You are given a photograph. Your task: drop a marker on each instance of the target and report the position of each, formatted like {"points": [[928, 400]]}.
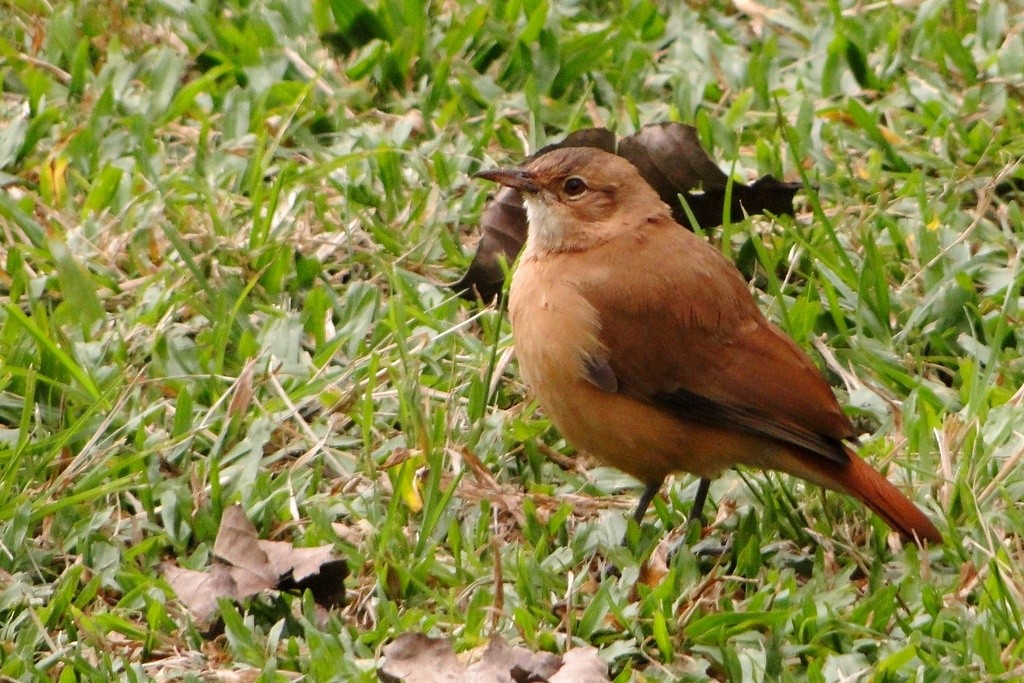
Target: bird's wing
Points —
{"points": [[683, 332]]}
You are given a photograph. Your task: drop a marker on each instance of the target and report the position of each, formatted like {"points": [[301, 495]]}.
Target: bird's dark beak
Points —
{"points": [[517, 179]]}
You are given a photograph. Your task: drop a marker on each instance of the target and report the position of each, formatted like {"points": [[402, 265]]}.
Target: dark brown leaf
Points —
{"points": [[668, 156], [314, 568], [245, 565], [504, 226]]}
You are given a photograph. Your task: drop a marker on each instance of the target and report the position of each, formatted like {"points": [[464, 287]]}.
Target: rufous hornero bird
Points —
{"points": [[645, 347]]}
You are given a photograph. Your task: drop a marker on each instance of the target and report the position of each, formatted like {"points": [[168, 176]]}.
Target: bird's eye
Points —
{"points": [[574, 186]]}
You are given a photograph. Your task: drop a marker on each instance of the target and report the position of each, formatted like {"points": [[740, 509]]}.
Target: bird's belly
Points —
{"points": [[642, 440], [555, 331]]}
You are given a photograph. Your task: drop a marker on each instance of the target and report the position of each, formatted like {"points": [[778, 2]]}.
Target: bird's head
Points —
{"points": [[579, 197]]}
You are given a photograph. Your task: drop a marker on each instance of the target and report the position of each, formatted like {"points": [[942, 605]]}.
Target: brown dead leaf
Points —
{"points": [[581, 665], [245, 565], [416, 658], [199, 591], [503, 662], [314, 568], [504, 233], [669, 157], [284, 558], [237, 544]]}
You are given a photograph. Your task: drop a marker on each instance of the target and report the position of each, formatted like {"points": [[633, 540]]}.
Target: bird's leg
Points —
{"points": [[697, 511], [641, 507], [699, 500], [652, 490], [696, 515], [645, 501], [646, 497]]}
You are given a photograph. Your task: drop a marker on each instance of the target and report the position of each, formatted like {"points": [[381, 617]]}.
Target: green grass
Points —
{"points": [[226, 229]]}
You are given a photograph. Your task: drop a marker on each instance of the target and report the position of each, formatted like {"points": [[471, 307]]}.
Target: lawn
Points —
{"points": [[227, 231]]}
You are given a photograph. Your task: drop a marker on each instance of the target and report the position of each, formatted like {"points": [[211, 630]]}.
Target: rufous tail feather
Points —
{"points": [[860, 480]]}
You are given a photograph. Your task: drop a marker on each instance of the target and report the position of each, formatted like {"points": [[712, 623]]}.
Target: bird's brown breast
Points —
{"points": [[556, 330]]}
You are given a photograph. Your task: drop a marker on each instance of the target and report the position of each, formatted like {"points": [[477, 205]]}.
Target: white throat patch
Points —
{"points": [[545, 226]]}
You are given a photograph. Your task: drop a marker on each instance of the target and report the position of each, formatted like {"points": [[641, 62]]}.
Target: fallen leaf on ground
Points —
{"points": [[416, 658], [245, 565], [669, 157], [581, 665], [199, 591]]}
